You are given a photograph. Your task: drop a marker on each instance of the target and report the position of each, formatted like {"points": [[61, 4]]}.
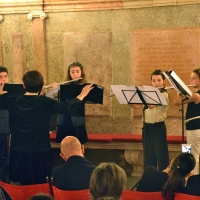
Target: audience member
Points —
{"points": [[4, 132], [170, 180], [107, 182], [75, 173], [42, 196], [193, 185], [30, 158], [182, 167]]}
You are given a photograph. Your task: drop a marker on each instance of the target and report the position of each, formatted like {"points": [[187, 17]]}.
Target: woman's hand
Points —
{"points": [[1, 89], [53, 85], [85, 92]]}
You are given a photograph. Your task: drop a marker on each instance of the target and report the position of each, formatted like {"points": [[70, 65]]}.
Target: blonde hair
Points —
{"points": [[108, 181]]}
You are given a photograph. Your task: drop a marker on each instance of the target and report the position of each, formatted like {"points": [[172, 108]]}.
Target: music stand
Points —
{"points": [[14, 88], [146, 95], [69, 92], [180, 87]]}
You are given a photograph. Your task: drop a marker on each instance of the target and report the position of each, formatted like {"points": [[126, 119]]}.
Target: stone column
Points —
{"points": [[39, 44], [135, 158], [1, 55]]}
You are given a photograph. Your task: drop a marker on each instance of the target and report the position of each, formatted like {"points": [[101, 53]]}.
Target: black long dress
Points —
{"points": [[30, 159], [72, 125]]}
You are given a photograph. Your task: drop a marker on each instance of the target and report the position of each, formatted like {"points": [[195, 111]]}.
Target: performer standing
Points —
{"points": [[193, 117], [154, 131], [73, 125], [4, 132], [30, 159]]}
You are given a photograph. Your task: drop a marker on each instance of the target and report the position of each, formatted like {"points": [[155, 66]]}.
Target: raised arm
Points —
{"points": [[194, 98], [1, 89], [84, 92]]}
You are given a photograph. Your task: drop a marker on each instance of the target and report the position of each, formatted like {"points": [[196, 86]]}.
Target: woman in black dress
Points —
{"points": [[73, 125], [30, 159]]}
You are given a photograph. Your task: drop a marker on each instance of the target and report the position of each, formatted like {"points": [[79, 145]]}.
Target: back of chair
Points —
{"points": [[70, 195], [26, 191], [181, 196], [134, 195]]}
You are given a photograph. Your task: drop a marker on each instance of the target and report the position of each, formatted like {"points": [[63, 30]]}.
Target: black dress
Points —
{"points": [[72, 125], [30, 159]]}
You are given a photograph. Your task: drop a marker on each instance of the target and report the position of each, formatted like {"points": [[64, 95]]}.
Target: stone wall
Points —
{"points": [[109, 45]]}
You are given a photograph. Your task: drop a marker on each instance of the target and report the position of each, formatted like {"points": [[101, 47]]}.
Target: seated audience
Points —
{"points": [[193, 185], [107, 182], [4, 194], [75, 173], [170, 180], [42, 196]]}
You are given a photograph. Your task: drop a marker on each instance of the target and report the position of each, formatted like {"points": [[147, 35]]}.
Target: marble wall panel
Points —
{"points": [[18, 57], [16, 25], [1, 55], [93, 51]]}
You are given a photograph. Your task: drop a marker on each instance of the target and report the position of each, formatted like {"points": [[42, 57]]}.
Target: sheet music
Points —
{"points": [[178, 84], [183, 85], [129, 95]]}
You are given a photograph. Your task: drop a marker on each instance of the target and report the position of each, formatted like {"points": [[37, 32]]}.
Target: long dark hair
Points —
{"points": [[182, 165], [197, 71]]}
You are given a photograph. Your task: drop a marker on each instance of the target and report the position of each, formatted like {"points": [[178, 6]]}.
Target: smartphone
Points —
{"points": [[187, 148]]}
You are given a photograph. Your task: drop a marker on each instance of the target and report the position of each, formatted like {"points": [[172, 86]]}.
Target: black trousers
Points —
{"points": [[4, 170], [155, 145]]}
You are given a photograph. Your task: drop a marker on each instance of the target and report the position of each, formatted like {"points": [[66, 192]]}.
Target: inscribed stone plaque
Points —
{"points": [[176, 49], [93, 51]]}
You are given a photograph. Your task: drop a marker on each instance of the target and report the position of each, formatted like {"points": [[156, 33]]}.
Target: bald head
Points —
{"points": [[70, 146]]}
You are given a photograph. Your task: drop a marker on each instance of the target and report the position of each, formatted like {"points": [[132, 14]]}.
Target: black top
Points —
{"points": [[30, 151], [193, 185], [74, 174], [30, 119], [193, 110], [152, 180]]}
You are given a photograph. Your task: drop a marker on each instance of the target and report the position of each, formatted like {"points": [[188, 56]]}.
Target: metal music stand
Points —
{"points": [[146, 95], [14, 88]]}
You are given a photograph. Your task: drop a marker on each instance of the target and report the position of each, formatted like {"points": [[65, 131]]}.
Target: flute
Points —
{"points": [[172, 87], [48, 86]]}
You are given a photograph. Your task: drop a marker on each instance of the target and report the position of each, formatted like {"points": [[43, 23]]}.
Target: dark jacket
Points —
{"points": [[193, 185], [74, 174], [152, 180]]}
